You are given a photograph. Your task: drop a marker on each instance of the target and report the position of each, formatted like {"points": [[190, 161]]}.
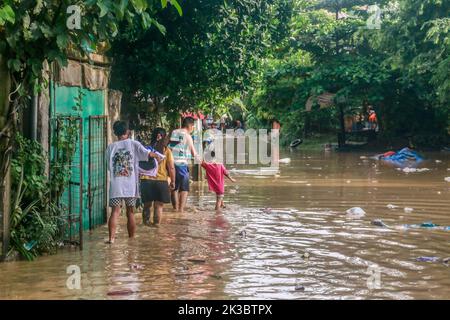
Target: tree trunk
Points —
{"points": [[5, 135], [341, 136]]}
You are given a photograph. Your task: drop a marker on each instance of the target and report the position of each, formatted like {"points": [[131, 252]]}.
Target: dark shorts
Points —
{"points": [[182, 178], [155, 190]]}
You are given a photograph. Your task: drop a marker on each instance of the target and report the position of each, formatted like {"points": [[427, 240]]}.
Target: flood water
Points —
{"points": [[252, 252]]}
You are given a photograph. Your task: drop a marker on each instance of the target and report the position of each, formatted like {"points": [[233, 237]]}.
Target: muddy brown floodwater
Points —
{"points": [[252, 252]]}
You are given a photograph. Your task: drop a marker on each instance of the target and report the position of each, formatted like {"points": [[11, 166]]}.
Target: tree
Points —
{"points": [[418, 44], [207, 57], [332, 59]]}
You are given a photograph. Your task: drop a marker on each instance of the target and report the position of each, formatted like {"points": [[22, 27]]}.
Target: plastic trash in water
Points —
{"points": [[136, 266], [447, 179], [356, 211], [285, 160], [379, 223], [428, 224], [427, 259], [414, 170], [299, 286], [391, 206], [408, 210]]}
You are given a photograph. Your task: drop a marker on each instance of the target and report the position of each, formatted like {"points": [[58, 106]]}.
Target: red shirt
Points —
{"points": [[215, 173]]}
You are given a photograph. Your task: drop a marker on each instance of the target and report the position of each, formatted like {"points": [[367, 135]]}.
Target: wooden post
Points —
{"points": [[5, 176], [341, 136], [5, 209], [197, 169]]}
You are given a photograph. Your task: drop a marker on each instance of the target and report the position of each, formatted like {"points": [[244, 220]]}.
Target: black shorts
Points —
{"points": [[182, 178], [155, 190]]}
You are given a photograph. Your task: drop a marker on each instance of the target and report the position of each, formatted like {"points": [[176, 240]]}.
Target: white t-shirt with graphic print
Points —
{"points": [[123, 164]]}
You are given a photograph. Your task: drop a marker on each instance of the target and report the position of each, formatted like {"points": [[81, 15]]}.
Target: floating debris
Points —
{"points": [[391, 206], [447, 179], [196, 260], [379, 223], [413, 170], [285, 160], [408, 210], [305, 255], [120, 293], [427, 259], [135, 266], [299, 286], [356, 212], [428, 224]]}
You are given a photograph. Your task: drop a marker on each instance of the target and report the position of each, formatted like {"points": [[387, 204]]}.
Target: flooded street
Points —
{"points": [[277, 234]]}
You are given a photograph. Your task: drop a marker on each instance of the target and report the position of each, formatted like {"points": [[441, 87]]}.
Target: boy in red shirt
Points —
{"points": [[215, 173]]}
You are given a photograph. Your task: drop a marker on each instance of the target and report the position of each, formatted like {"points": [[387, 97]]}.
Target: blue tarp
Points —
{"points": [[404, 158]]}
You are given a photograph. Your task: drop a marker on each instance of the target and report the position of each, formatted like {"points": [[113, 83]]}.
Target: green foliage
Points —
{"points": [[403, 69], [208, 56], [34, 220], [34, 31]]}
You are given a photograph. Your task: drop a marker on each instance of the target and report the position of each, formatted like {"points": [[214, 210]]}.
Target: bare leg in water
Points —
{"points": [[158, 211], [183, 195], [112, 223], [219, 202], [146, 213], [131, 223], [174, 199]]}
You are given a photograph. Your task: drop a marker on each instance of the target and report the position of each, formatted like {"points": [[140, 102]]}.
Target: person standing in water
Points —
{"points": [[155, 189], [215, 173], [123, 158], [183, 149]]}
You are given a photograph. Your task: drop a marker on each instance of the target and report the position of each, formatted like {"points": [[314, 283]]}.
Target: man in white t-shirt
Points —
{"points": [[183, 150], [123, 158]]}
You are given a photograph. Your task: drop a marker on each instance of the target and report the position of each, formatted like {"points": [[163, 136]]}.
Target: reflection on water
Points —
{"points": [[278, 232]]}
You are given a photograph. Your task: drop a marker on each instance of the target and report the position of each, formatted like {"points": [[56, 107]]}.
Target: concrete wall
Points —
{"points": [[114, 103]]}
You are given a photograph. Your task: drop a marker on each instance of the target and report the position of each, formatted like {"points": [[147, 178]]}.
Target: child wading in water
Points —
{"points": [[123, 164], [215, 173]]}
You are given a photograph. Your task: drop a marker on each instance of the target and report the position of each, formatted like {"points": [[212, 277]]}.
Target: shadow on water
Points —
{"points": [[282, 236]]}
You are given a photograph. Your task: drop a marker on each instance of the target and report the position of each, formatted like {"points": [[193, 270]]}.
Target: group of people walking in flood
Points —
{"points": [[157, 174]]}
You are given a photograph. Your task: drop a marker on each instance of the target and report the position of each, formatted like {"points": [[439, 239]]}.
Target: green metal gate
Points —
{"points": [[72, 198], [90, 197], [97, 196]]}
